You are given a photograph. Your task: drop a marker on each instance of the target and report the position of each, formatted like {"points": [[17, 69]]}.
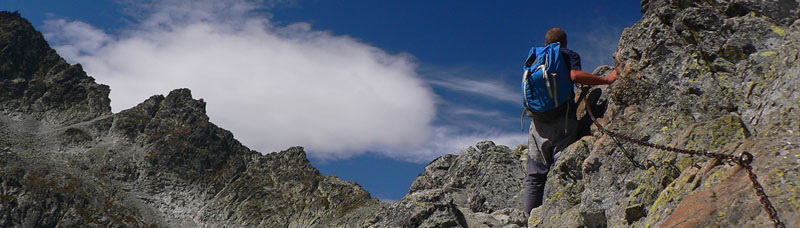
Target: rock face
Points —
{"points": [[38, 82], [712, 75], [479, 188], [66, 160]]}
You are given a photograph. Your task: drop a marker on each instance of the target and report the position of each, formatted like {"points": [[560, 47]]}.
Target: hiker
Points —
{"points": [[549, 101]]}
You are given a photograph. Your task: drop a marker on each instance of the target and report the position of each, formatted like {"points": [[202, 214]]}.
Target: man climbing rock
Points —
{"points": [[549, 101]]}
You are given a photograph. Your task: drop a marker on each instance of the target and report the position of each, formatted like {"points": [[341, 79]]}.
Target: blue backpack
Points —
{"points": [[546, 82]]}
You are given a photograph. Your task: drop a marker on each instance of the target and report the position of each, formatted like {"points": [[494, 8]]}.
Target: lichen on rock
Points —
{"points": [[718, 76], [692, 77]]}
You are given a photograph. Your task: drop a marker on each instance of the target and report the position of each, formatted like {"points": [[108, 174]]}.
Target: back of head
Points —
{"points": [[556, 35]]}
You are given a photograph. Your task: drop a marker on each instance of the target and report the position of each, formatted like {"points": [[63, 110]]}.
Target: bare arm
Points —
{"points": [[586, 78]]}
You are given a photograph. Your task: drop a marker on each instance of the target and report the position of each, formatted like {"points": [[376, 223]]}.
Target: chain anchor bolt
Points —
{"points": [[745, 158]]}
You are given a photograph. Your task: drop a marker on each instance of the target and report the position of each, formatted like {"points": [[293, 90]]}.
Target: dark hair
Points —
{"points": [[556, 35]]}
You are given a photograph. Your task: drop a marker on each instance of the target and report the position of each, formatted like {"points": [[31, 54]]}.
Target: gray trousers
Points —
{"points": [[549, 135]]}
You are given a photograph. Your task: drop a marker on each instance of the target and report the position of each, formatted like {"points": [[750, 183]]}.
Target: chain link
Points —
{"points": [[743, 160], [773, 214]]}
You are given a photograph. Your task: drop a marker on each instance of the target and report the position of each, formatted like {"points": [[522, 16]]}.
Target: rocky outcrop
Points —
{"points": [[35, 81], [478, 188], [67, 161], [707, 75], [485, 179]]}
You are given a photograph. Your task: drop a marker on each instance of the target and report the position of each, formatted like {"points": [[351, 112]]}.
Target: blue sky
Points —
{"points": [[373, 89]]}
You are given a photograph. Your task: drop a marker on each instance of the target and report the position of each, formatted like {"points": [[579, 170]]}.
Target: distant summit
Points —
{"points": [[38, 82], [67, 161]]}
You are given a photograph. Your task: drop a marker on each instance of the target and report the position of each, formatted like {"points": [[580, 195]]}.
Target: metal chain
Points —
{"points": [[744, 160], [773, 214]]}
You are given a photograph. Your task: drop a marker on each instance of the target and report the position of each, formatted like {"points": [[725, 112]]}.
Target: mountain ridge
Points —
{"points": [[141, 161], [162, 163], [705, 75]]}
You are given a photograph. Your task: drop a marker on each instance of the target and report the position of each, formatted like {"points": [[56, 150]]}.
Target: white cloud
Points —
{"points": [[488, 89], [477, 113], [81, 36], [281, 86], [273, 86], [470, 80]]}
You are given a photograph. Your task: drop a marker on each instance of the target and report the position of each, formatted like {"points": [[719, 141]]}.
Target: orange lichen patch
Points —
{"points": [[710, 206]]}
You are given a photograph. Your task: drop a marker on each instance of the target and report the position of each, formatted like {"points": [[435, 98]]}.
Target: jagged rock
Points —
{"points": [[506, 218], [483, 180], [37, 82], [702, 75], [595, 98], [478, 188], [162, 163], [68, 161]]}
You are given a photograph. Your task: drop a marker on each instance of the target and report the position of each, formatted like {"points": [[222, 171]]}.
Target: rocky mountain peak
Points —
{"points": [[158, 115], [25, 52], [717, 76], [35, 80], [68, 161]]}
